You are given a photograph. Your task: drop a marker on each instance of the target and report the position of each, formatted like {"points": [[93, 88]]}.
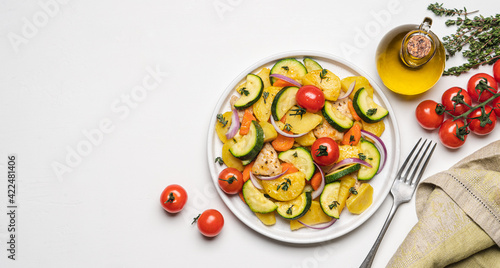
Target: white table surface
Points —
{"points": [[67, 69]]}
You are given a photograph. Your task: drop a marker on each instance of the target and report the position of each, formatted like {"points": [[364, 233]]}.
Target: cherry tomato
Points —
{"points": [[453, 134], [430, 114], [210, 222], [231, 180], [485, 115], [451, 97], [173, 198], [311, 98], [481, 87], [325, 151], [496, 71], [496, 105]]}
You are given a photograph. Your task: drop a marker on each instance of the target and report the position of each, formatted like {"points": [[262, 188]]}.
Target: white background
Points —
{"points": [[64, 70]]}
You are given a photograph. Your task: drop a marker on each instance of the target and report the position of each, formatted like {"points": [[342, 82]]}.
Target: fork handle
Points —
{"points": [[367, 263]]}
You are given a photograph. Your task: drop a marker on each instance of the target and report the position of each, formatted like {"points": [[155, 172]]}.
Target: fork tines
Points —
{"points": [[414, 166]]}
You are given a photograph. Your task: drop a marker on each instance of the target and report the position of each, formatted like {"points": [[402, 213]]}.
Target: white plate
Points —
{"points": [[347, 222]]}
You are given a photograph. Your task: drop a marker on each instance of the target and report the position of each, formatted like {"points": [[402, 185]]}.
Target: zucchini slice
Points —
{"points": [[372, 155], [339, 173], [301, 158], [311, 65], [335, 118], [329, 199], [250, 93], [256, 200], [366, 108], [295, 208], [248, 146], [289, 67], [283, 101]]}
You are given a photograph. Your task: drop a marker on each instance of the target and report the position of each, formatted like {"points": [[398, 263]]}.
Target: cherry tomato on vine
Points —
{"points": [[453, 134], [430, 114], [230, 180], [210, 222], [482, 120], [173, 198], [311, 98], [325, 151], [453, 100], [496, 71], [481, 87]]}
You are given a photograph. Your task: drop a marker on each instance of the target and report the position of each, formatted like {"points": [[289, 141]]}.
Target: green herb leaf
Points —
{"points": [[334, 204], [322, 150], [289, 210], [298, 111], [265, 95], [244, 91], [371, 111], [352, 190], [222, 120], [219, 160]]}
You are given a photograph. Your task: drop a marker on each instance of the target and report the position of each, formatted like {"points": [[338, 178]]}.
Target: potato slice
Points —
{"points": [[286, 187], [262, 108], [325, 80], [270, 133], [357, 203], [314, 216], [302, 123], [267, 219], [264, 75], [375, 128], [360, 82], [306, 140], [221, 129], [348, 151], [346, 183]]}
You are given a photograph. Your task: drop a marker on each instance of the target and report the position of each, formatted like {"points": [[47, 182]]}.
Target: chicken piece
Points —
{"points": [[326, 130], [267, 162], [343, 107]]}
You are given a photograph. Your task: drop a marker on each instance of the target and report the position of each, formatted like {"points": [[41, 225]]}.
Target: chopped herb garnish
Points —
{"points": [[265, 95], [362, 156], [284, 185], [288, 127], [298, 111], [352, 190], [295, 154], [219, 160], [289, 210], [285, 68], [334, 204], [371, 111], [222, 120], [352, 139], [230, 180], [322, 150], [267, 196], [244, 91], [322, 75]]}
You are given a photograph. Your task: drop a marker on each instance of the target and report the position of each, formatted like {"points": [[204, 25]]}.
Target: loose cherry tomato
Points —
{"points": [[496, 71], [231, 180], [311, 98], [173, 198], [481, 87], [482, 120], [496, 105], [430, 114], [453, 134], [210, 222], [453, 100], [325, 151]]}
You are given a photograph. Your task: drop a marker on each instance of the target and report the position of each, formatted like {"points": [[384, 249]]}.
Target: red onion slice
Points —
{"points": [[380, 145], [318, 191], [319, 226], [235, 125], [283, 132], [286, 79], [255, 181], [349, 91], [265, 178], [348, 161]]}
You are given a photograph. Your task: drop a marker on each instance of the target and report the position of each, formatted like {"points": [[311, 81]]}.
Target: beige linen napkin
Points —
{"points": [[458, 216]]}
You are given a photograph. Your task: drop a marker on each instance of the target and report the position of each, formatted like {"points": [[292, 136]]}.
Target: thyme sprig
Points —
{"points": [[480, 36]]}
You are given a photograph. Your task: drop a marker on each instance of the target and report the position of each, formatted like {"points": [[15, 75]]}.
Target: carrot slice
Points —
{"points": [[291, 168], [353, 112], [316, 181], [246, 122], [352, 136], [282, 143], [247, 170], [282, 83]]}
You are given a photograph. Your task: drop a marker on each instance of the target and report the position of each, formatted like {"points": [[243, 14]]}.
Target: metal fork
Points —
{"points": [[403, 188]]}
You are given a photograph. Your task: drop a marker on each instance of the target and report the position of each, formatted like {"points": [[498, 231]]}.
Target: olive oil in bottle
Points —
{"points": [[410, 59]]}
